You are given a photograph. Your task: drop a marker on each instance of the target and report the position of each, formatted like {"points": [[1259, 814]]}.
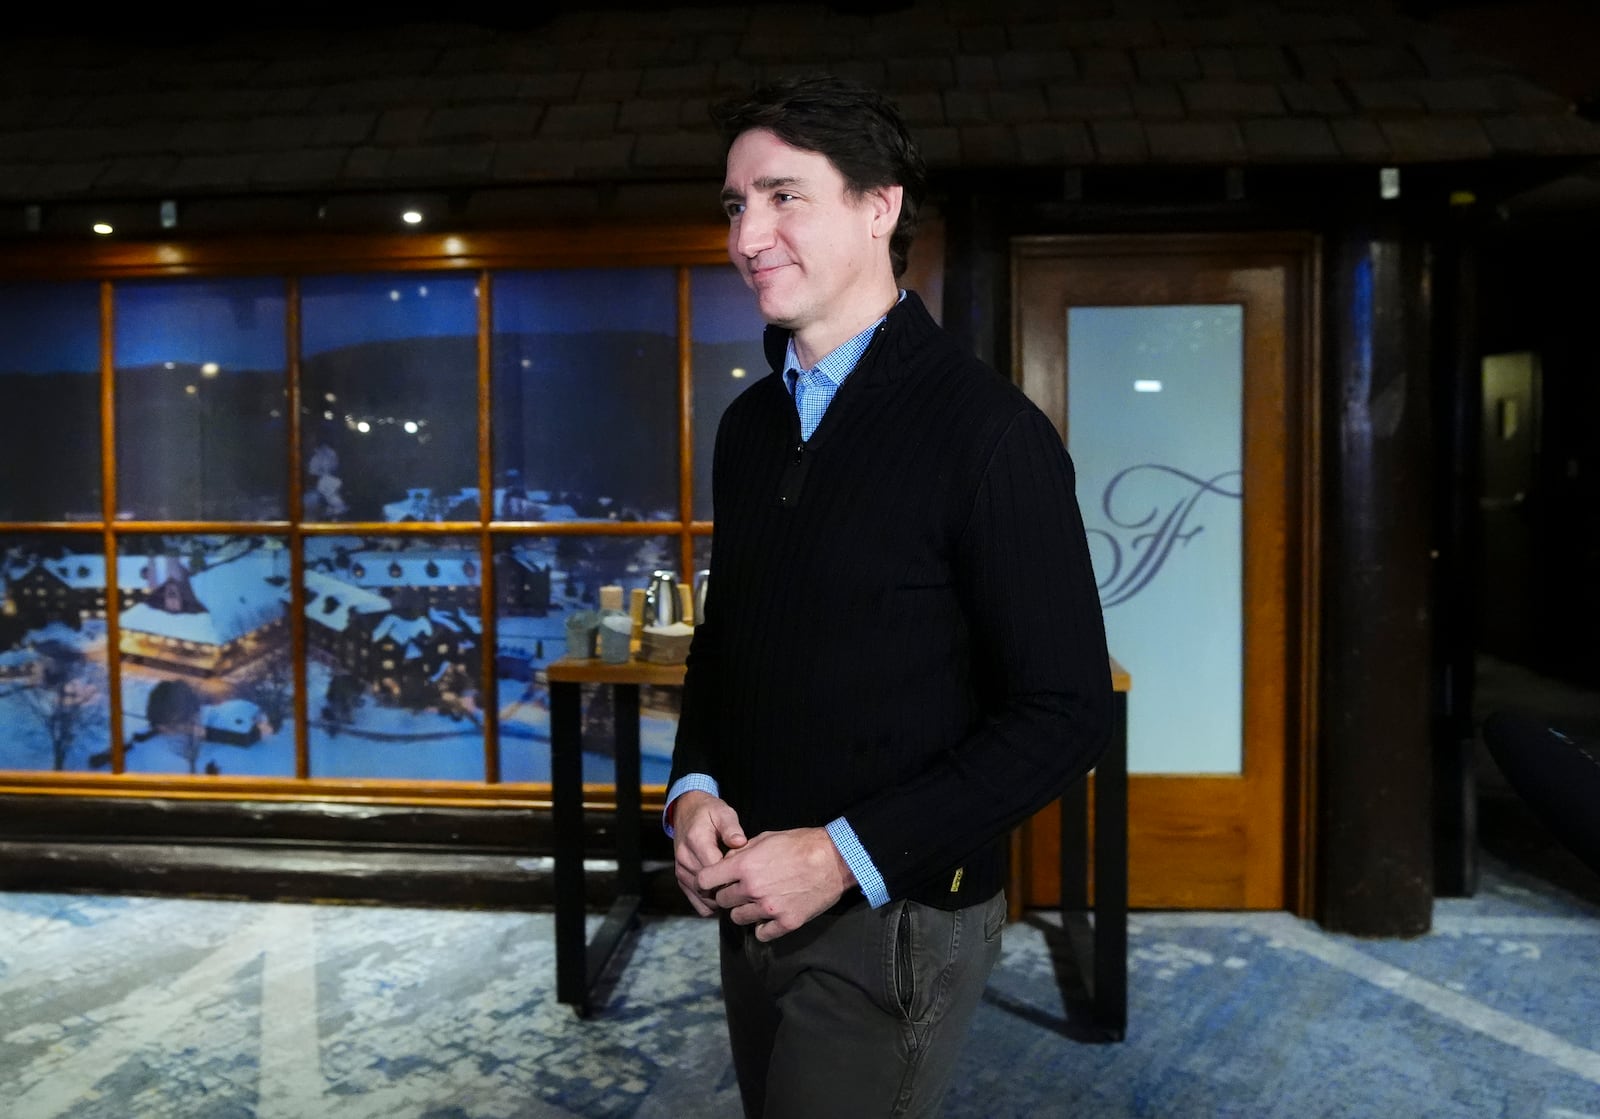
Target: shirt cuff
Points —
{"points": [[855, 857], [687, 783]]}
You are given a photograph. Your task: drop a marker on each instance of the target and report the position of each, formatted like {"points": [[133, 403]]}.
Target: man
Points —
{"points": [[902, 655]]}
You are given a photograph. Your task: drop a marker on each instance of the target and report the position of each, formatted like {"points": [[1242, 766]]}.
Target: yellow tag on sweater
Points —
{"points": [[955, 883]]}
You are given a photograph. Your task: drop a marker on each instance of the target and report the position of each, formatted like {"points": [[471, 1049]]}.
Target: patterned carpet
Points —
{"points": [[112, 1008]]}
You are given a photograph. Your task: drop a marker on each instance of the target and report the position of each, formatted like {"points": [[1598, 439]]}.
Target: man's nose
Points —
{"points": [[755, 232]]}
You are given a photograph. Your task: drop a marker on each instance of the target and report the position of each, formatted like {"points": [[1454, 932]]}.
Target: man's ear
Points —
{"points": [[885, 202]]}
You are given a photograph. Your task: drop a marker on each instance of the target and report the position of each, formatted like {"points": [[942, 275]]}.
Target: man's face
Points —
{"points": [[811, 252]]}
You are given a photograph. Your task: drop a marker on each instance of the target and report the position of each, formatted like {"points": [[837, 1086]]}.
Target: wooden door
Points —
{"points": [[1229, 833]]}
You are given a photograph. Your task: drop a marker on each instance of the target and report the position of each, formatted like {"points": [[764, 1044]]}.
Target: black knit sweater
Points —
{"points": [[902, 627]]}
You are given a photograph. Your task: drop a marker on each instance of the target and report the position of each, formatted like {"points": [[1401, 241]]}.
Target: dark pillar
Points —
{"points": [[977, 278], [1457, 404], [1375, 796]]}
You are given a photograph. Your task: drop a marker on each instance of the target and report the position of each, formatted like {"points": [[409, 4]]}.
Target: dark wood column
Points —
{"points": [[977, 281], [1457, 407], [1376, 790]]}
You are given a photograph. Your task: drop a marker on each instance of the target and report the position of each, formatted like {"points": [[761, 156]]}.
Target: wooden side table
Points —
{"points": [[581, 961]]}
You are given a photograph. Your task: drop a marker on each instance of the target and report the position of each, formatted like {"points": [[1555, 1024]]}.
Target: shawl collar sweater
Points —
{"points": [[904, 628]]}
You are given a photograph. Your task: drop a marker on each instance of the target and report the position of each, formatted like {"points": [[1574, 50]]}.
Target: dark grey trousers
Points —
{"points": [[858, 1013]]}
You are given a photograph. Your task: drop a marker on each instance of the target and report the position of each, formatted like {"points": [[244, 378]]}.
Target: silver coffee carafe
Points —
{"points": [[661, 605]]}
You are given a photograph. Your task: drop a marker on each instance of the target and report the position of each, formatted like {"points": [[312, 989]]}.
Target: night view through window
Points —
{"points": [[201, 406], [585, 429], [49, 379]]}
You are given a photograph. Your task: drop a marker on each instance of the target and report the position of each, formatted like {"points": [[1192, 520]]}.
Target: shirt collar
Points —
{"points": [[839, 364]]}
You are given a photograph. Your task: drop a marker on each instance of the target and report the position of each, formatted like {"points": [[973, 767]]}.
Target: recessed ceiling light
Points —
{"points": [[102, 227], [411, 217]]}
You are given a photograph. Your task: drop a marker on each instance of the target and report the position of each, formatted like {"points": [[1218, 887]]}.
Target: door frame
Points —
{"points": [[1297, 256]]}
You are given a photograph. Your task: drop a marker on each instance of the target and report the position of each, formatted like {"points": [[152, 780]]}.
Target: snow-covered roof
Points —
{"points": [[414, 632], [56, 632], [237, 600], [237, 594], [458, 620], [237, 715], [413, 506], [330, 601], [420, 504], [145, 618], [434, 567], [530, 560], [403, 629], [87, 571], [18, 658]]}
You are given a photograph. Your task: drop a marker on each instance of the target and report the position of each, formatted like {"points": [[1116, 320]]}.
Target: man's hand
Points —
{"points": [[778, 881], [703, 827]]}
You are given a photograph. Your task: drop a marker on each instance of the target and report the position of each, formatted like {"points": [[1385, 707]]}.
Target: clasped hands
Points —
{"points": [[777, 880]]}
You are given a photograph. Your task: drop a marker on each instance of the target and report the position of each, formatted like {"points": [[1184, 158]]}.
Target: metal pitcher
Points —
{"points": [[661, 606]]}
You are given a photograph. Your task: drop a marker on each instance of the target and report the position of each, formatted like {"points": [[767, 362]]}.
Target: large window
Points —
{"points": [[316, 524]]}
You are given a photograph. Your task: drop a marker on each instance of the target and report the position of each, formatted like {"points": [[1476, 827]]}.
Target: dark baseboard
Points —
{"points": [[464, 857]]}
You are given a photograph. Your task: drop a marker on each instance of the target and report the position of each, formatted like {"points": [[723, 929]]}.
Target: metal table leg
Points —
{"points": [[566, 794], [579, 961], [1111, 879], [1100, 950]]}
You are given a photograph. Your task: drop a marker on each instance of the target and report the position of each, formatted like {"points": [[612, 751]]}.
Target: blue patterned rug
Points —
{"points": [[144, 1008]]}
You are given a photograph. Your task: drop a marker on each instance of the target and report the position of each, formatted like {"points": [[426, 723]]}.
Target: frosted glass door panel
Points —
{"points": [[1154, 406]]}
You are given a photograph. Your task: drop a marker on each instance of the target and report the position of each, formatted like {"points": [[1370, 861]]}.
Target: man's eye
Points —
{"points": [[781, 197], [733, 209]]}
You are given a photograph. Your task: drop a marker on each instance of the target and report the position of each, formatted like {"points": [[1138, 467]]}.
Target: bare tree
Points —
{"points": [[271, 687], [67, 697]]}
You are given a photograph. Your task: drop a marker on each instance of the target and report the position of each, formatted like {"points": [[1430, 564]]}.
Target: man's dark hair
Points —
{"points": [[855, 126]]}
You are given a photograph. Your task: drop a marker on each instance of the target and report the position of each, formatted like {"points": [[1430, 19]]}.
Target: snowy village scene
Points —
{"points": [[392, 671], [583, 377]]}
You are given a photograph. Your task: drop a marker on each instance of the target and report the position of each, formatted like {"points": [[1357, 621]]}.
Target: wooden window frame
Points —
{"points": [[681, 246]]}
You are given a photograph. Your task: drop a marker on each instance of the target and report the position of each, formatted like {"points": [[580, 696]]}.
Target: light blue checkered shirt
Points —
{"points": [[816, 388], [813, 389]]}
